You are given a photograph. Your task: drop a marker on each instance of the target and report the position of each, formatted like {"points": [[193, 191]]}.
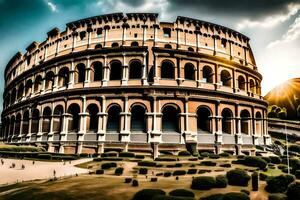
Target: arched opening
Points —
{"points": [[134, 44], [74, 122], [25, 122], [135, 70], [225, 78], [115, 70], [49, 80], [80, 73], [241, 83], [57, 118], [203, 120], [151, 75], [12, 125], [63, 77], [170, 119], [191, 49], [20, 91], [37, 84], [227, 121], [138, 120], [98, 46], [97, 71], [258, 88], [189, 71], [13, 96], [18, 123], [168, 46], [258, 123], [245, 119], [92, 120], [115, 44], [113, 121], [46, 120], [35, 116], [252, 86], [208, 74], [167, 70], [28, 87]]}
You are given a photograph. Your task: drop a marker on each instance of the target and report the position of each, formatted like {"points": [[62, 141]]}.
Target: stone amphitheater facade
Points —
{"points": [[128, 82]]}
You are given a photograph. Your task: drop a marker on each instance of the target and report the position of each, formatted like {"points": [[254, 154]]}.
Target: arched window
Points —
{"points": [[80, 73], [113, 121], [115, 44], [167, 70], [115, 70], [225, 78], [258, 123], [227, 121], [191, 49], [98, 46], [46, 120], [13, 96], [35, 121], [20, 91], [17, 125], [168, 46], [74, 122], [25, 122], [134, 44], [208, 74], [49, 80], [170, 119], [258, 88], [245, 119], [37, 84], [63, 77], [189, 71], [57, 118], [92, 121], [135, 70], [97, 69], [151, 75], [138, 122], [241, 83], [252, 86], [12, 125], [28, 87], [203, 120]]}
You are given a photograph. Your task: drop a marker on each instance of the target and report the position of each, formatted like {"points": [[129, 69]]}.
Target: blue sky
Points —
{"points": [[272, 25]]}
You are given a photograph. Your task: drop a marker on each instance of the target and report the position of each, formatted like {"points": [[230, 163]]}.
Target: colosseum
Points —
{"points": [[128, 82]]}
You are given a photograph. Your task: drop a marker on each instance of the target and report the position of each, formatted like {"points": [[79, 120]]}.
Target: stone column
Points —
{"points": [[55, 79], [156, 78], [43, 83], [74, 34], [89, 37], [87, 73], [125, 132], [105, 72], [105, 37], [83, 115], [45, 52], [125, 73], [57, 47], [144, 72], [231, 49], [218, 124], [144, 34], [71, 75]]}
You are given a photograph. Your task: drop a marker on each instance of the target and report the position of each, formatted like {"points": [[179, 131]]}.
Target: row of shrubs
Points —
{"points": [[14, 148], [39, 155]]}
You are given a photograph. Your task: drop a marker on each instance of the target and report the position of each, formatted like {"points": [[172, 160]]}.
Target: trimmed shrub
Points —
{"points": [[108, 165], [140, 156], [213, 197], [179, 173], [236, 196], [83, 155], [208, 163], [147, 163], [254, 180], [254, 161], [164, 197], [159, 174], [148, 194], [275, 159], [205, 154], [293, 191], [297, 174], [192, 171], [182, 193], [203, 183], [224, 154], [241, 156], [277, 196], [213, 156], [184, 153], [221, 181], [200, 157], [135, 183], [267, 159], [282, 166], [226, 165], [143, 171], [167, 174], [99, 171], [263, 176], [128, 180], [166, 159], [109, 154], [119, 171], [44, 156], [278, 184], [153, 179], [127, 154], [237, 177], [193, 159], [246, 192]]}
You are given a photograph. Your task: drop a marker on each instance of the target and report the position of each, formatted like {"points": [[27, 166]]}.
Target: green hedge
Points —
{"points": [[203, 183], [99, 171], [184, 153], [227, 196], [108, 165], [278, 184], [127, 154], [182, 193], [166, 159], [179, 173], [143, 171], [293, 191], [277, 196], [192, 171], [254, 180], [147, 163], [14, 148], [275, 159], [238, 177], [208, 163], [254, 161], [109, 154], [148, 194], [294, 148], [221, 181], [119, 171]]}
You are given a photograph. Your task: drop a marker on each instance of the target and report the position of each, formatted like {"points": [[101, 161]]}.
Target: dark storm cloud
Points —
{"points": [[246, 8]]}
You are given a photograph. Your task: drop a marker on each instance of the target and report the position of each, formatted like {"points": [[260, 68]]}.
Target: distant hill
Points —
{"points": [[286, 95]]}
